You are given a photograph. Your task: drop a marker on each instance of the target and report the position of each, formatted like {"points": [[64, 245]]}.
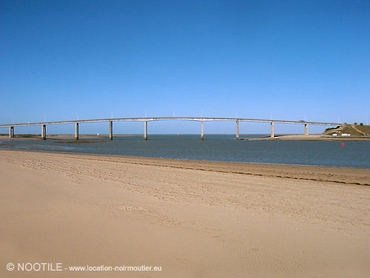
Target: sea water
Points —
{"points": [[355, 154]]}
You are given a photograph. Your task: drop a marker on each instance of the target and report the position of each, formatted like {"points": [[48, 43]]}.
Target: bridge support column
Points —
{"points": [[201, 130], [305, 129], [77, 131], [11, 132], [272, 134], [237, 130], [145, 130], [110, 130], [43, 132]]}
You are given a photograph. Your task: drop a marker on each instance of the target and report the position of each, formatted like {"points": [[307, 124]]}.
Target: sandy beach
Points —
{"points": [[184, 218]]}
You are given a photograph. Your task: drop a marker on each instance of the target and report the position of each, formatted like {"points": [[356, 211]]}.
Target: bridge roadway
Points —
{"points": [[150, 119]]}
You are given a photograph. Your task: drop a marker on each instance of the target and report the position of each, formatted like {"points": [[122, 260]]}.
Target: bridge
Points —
{"points": [[146, 120]]}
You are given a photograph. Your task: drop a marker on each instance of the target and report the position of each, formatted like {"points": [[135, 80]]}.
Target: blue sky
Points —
{"points": [[63, 60]]}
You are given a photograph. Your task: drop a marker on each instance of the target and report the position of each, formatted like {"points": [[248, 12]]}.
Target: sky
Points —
{"points": [[291, 60]]}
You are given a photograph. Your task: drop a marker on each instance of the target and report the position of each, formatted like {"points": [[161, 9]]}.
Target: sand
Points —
{"points": [[192, 219], [319, 137]]}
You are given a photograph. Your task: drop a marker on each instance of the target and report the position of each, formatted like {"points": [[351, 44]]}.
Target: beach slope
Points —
{"points": [[189, 219]]}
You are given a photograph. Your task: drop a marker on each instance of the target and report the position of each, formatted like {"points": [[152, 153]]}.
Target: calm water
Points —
{"points": [[214, 148]]}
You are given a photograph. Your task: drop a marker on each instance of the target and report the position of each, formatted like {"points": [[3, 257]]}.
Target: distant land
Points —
{"points": [[341, 132], [348, 130]]}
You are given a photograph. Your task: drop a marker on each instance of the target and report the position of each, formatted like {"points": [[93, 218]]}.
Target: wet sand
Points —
{"points": [[192, 218]]}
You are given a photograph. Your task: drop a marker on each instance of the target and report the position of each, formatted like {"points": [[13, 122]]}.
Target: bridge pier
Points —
{"points": [[201, 130], [11, 132], [272, 134], [43, 132], [110, 130], [237, 130], [145, 130], [77, 131], [305, 129]]}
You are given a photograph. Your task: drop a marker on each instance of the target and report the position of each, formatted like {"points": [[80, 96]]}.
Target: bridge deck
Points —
{"points": [[149, 119]]}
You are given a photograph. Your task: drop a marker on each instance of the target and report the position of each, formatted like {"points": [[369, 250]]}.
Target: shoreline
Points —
{"points": [[287, 137], [68, 144], [342, 175], [311, 137], [191, 218]]}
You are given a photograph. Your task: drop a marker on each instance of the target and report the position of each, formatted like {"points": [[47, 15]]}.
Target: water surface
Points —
{"points": [[214, 148]]}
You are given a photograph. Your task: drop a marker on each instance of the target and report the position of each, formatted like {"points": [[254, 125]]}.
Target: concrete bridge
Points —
{"points": [[145, 121]]}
